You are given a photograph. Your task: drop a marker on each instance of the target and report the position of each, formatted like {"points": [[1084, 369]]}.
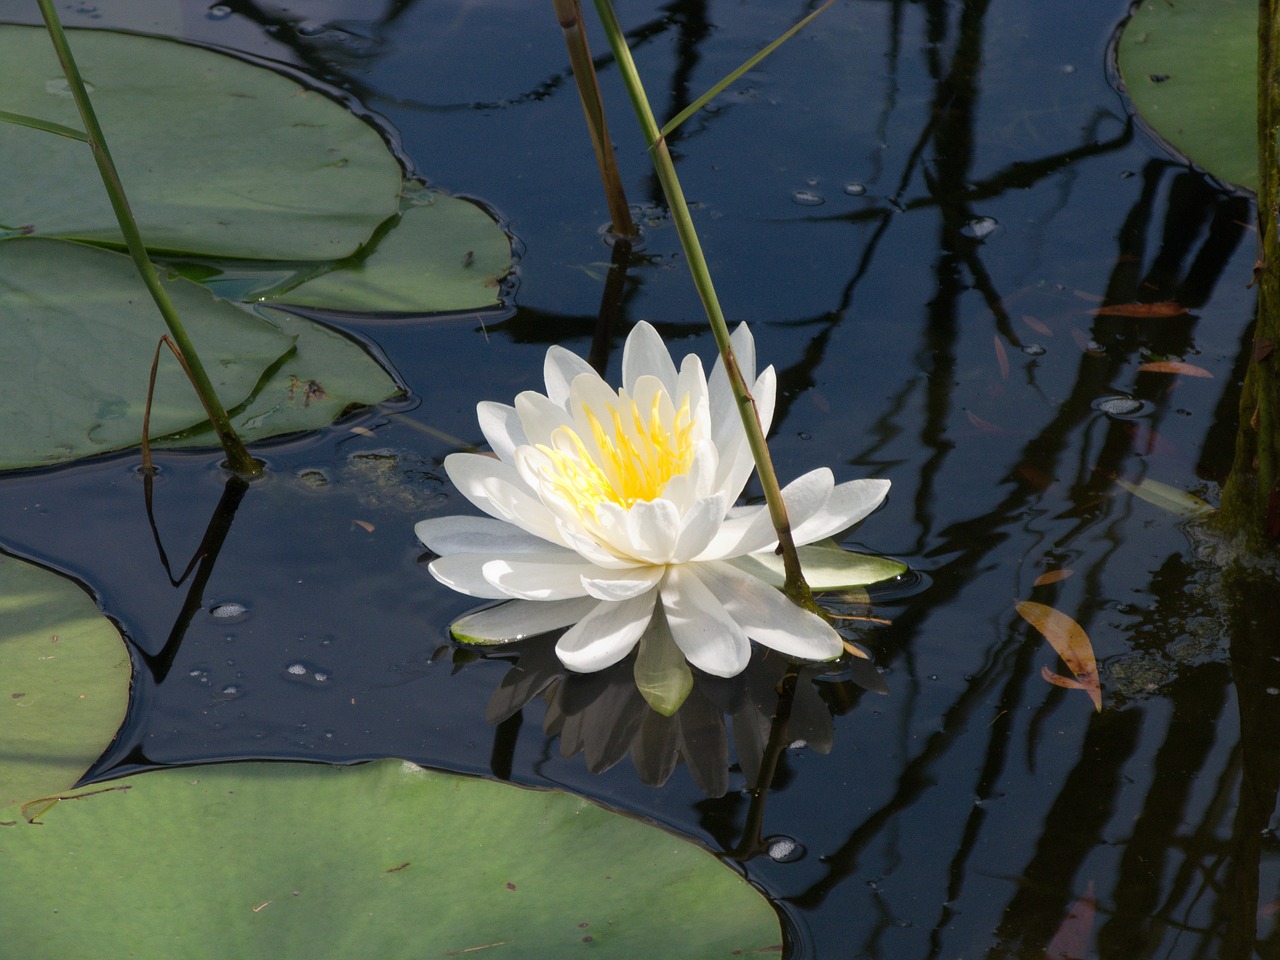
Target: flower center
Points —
{"points": [[632, 459]]}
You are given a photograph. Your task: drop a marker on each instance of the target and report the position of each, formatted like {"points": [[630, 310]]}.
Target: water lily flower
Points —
{"points": [[609, 510]]}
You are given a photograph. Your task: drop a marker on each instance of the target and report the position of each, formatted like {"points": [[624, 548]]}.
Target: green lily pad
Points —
{"points": [[383, 860], [64, 683], [323, 377], [218, 156], [1190, 68], [443, 254], [78, 339], [79, 343], [827, 566]]}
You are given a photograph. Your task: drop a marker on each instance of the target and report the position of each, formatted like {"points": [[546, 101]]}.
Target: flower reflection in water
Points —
{"points": [[773, 704]]}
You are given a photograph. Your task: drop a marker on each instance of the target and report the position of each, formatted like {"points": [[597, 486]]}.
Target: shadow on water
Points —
{"points": [[924, 210]]}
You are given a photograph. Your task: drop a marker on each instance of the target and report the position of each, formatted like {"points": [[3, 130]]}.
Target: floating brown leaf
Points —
{"points": [[1166, 308], [1174, 366], [1051, 576], [1071, 643]]}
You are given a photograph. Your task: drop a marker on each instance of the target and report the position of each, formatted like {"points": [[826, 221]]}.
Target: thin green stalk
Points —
{"points": [[238, 458], [569, 14], [795, 586]]}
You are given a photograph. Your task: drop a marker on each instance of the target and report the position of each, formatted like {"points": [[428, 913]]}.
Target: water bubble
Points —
{"points": [[854, 189], [1121, 407], [231, 690], [1068, 68], [1034, 350], [799, 744], [226, 611], [784, 849], [980, 227], [303, 672], [218, 12], [808, 198]]}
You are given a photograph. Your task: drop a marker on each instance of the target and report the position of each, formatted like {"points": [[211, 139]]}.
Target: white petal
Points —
{"points": [[693, 381], [501, 428], [736, 459], [751, 533], [593, 549], [652, 529], [849, 502], [607, 634], [616, 585], [497, 489], [459, 534], [723, 405], [698, 527], [559, 370], [517, 619], [464, 572], [744, 530], [645, 353], [768, 616], [539, 416], [538, 578], [711, 639]]}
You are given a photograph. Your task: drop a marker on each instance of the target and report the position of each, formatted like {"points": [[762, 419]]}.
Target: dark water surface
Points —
{"points": [[918, 207]]}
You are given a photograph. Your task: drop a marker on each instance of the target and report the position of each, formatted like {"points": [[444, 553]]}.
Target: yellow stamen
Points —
{"points": [[635, 458]]}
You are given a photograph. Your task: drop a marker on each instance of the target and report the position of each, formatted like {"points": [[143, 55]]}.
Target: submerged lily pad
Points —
{"points": [[64, 682], [383, 860], [219, 156], [443, 254], [1191, 70]]}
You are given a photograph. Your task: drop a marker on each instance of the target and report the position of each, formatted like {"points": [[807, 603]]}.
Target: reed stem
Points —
{"points": [[238, 458], [795, 585]]}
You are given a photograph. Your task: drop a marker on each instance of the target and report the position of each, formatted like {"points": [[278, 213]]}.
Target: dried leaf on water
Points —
{"points": [[1163, 309], [1174, 366], [1071, 643], [1051, 576]]}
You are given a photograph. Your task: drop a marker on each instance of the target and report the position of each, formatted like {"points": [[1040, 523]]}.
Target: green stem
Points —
{"points": [[238, 458], [795, 586], [569, 14]]}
